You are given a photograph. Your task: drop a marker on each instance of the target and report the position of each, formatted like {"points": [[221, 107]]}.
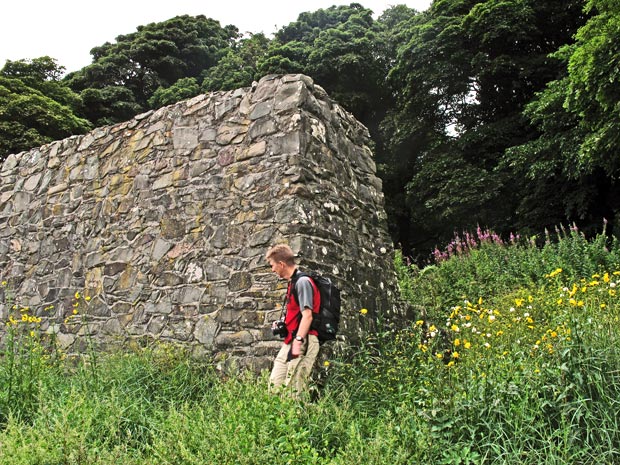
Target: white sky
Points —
{"points": [[68, 29]]}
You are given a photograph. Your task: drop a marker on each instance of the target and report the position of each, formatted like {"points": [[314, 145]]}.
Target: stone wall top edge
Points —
{"points": [[177, 110]]}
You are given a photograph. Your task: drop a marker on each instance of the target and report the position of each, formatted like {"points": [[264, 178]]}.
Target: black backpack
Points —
{"points": [[327, 320]]}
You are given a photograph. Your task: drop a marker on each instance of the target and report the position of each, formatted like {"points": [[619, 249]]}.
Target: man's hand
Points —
{"points": [[296, 348]]}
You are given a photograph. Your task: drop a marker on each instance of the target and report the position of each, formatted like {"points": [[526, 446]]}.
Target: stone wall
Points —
{"points": [[162, 222]]}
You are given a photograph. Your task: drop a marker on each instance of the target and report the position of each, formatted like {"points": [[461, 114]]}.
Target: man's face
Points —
{"points": [[277, 267]]}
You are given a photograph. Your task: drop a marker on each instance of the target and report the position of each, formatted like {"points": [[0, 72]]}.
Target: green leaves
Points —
{"points": [[181, 90], [238, 67], [463, 76], [35, 107], [593, 93], [156, 56]]}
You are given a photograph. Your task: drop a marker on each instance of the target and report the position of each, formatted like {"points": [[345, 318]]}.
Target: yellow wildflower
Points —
{"points": [[77, 295], [457, 342], [326, 363], [519, 302], [467, 344], [364, 311], [419, 322], [606, 277]]}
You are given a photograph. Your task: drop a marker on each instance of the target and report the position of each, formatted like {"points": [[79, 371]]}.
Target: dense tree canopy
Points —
{"points": [[339, 48], [503, 113], [238, 67], [577, 119], [156, 55], [463, 79], [35, 106]]}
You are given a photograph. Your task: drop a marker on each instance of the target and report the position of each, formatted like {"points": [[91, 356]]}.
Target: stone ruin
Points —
{"points": [[161, 224]]}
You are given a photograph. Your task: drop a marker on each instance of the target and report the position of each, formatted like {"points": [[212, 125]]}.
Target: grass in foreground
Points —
{"points": [[515, 360]]}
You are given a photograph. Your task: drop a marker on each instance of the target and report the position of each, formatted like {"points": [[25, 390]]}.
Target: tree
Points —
{"points": [[109, 105], [593, 90], [465, 73], [340, 47], [157, 55], [43, 74], [183, 89], [345, 61], [577, 123], [35, 106], [239, 67]]}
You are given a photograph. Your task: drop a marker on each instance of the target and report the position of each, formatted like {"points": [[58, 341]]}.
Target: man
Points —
{"points": [[293, 364]]}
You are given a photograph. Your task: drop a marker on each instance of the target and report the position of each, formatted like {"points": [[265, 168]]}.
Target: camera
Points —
{"points": [[279, 328]]}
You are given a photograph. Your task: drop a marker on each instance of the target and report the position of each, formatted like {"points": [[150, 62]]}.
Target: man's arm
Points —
{"points": [[302, 330]]}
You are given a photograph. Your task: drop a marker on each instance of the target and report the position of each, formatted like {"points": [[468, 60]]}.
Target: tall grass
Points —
{"points": [[513, 359]]}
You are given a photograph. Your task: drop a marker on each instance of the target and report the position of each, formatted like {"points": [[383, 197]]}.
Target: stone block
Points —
{"points": [[206, 330]]}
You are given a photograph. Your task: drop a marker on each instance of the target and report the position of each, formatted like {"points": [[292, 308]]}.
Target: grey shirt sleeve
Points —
{"points": [[305, 293]]}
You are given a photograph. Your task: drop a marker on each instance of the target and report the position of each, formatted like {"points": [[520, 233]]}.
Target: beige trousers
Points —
{"points": [[292, 376]]}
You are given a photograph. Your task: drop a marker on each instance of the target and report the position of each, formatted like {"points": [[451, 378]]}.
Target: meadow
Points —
{"points": [[512, 357]]}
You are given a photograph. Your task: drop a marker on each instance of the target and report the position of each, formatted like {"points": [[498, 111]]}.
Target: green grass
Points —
{"points": [[514, 358]]}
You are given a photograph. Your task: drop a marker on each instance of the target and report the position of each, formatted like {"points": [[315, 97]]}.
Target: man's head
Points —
{"points": [[282, 260]]}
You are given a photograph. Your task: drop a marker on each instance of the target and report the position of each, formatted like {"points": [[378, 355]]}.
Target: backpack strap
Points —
{"points": [[290, 290], [300, 274]]}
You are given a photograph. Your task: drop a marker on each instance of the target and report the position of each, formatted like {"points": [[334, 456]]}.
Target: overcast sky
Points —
{"points": [[68, 29]]}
